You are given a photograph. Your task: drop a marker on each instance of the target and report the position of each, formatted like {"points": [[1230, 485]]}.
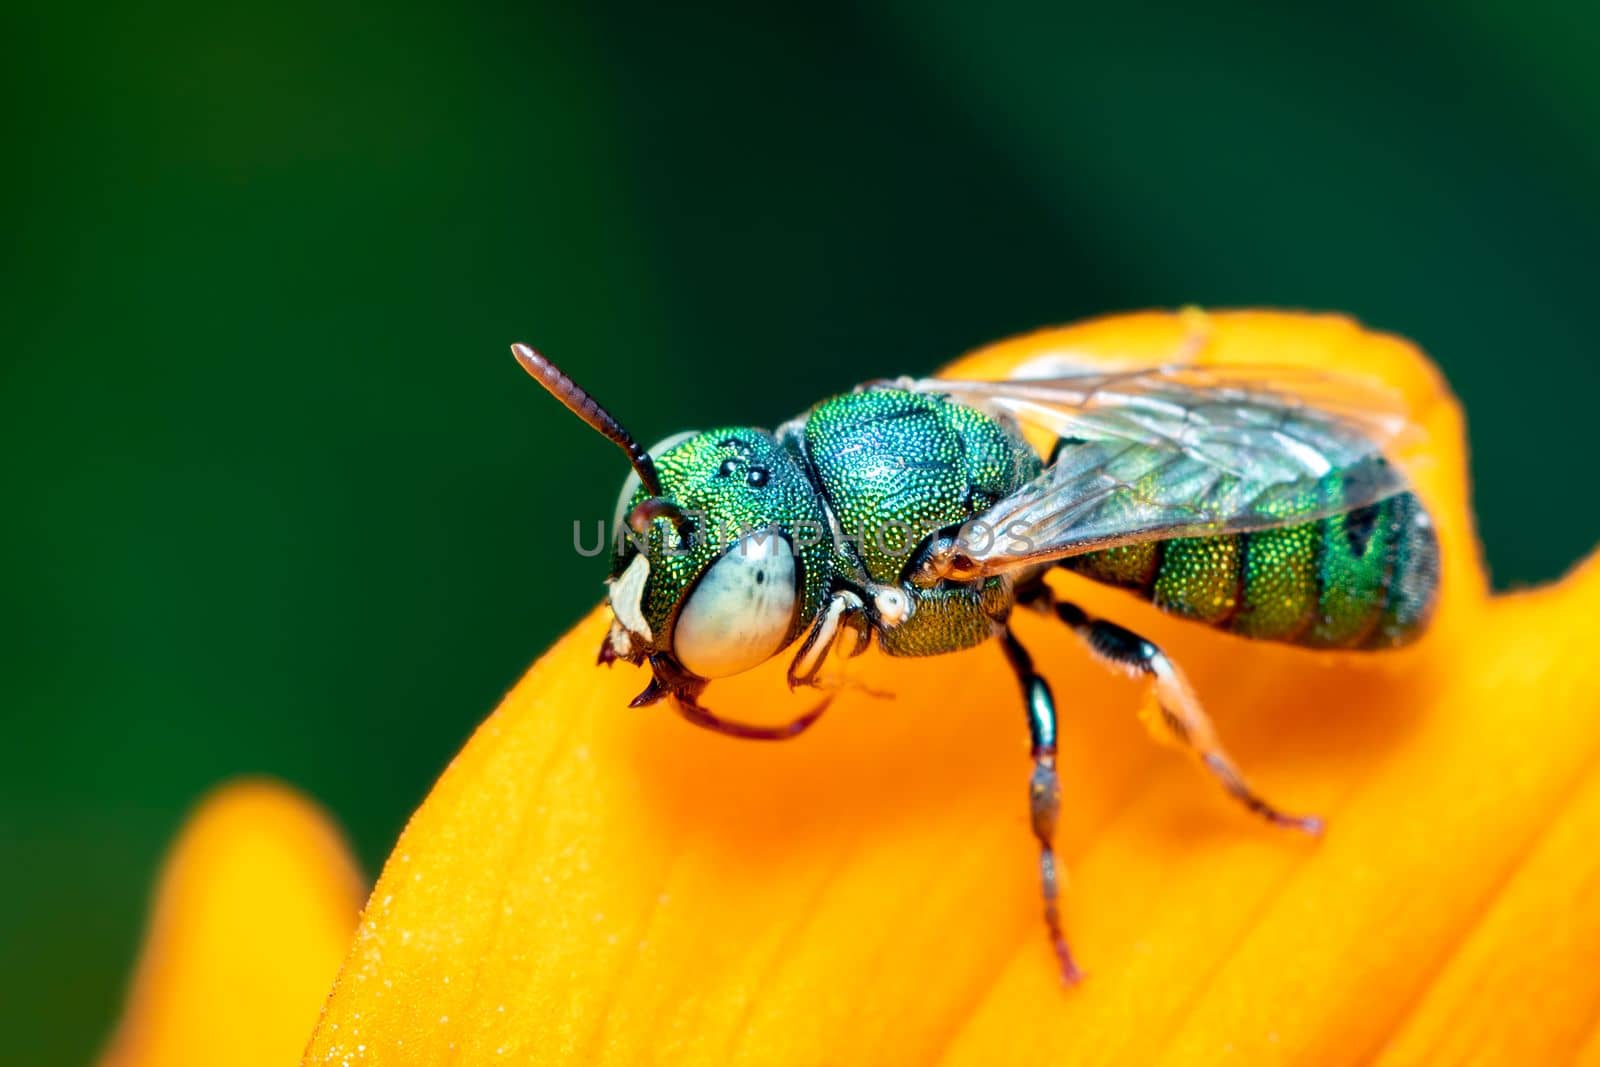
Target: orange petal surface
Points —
{"points": [[593, 884], [253, 913]]}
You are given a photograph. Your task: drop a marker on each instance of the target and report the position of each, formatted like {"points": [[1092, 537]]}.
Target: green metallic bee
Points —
{"points": [[917, 513]]}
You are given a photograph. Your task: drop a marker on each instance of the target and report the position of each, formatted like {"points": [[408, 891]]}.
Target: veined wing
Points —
{"points": [[1151, 453]]}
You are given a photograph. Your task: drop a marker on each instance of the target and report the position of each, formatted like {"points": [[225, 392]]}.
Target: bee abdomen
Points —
{"points": [[1364, 579], [1411, 579]]}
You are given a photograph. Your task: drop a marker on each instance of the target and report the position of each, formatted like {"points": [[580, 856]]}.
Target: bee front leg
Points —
{"points": [[844, 609], [1182, 720], [701, 716], [682, 690], [1044, 792]]}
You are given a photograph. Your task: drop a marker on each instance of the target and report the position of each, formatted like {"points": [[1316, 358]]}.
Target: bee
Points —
{"points": [[917, 513]]}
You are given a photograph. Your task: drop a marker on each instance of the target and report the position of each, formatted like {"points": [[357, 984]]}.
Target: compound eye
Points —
{"points": [[740, 612]]}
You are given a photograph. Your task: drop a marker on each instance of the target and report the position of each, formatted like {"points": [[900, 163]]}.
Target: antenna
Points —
{"points": [[581, 404]]}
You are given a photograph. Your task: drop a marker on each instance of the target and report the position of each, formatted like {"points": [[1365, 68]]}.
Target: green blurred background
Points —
{"points": [[279, 501]]}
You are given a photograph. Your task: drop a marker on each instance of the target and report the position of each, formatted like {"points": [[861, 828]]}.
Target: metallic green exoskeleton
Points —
{"points": [[1364, 579], [918, 513]]}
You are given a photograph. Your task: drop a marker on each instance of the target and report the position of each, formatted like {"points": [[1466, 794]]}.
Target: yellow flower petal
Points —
{"points": [[1523, 985], [590, 884], [254, 911]]}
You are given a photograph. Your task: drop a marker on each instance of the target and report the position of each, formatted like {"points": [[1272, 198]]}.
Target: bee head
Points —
{"points": [[706, 570]]}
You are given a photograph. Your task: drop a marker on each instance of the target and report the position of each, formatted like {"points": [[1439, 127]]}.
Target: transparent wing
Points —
{"points": [[1149, 453]]}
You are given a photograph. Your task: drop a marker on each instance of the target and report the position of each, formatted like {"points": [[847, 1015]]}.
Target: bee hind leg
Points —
{"points": [[1180, 717], [1044, 793]]}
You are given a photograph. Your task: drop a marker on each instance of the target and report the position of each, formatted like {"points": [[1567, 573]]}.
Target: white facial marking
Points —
{"points": [[627, 593], [740, 612], [620, 640]]}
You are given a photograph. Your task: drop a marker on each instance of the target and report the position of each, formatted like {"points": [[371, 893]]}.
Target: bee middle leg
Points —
{"points": [[1181, 719], [1044, 792]]}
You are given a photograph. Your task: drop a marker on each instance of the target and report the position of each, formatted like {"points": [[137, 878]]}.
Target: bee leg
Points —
{"points": [[694, 712], [1044, 792], [837, 619], [682, 690], [1181, 719]]}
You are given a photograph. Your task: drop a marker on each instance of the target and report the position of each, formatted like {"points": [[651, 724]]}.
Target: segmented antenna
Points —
{"points": [[581, 404]]}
